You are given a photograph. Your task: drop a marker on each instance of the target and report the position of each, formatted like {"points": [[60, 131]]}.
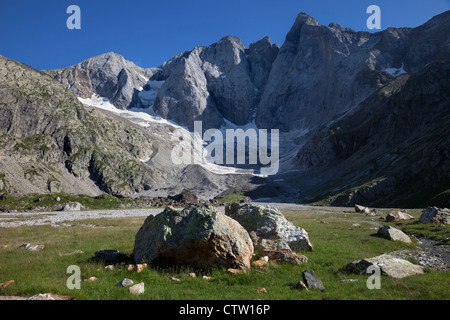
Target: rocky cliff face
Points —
{"points": [[322, 72], [222, 81], [394, 150]]}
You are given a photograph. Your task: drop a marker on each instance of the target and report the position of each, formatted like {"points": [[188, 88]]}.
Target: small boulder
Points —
{"points": [[91, 279], [72, 206], [361, 209], [285, 256], [389, 265], [261, 290], [268, 228], [125, 283], [31, 247], [394, 216], [392, 233], [140, 267], [137, 289], [312, 281]]}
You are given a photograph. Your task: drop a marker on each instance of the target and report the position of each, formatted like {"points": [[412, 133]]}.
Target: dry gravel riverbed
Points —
{"points": [[63, 218]]}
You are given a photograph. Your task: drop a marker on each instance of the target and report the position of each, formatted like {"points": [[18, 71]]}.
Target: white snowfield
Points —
{"points": [[147, 118]]}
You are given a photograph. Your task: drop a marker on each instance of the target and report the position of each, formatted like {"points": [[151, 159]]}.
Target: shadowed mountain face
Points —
{"points": [[364, 116]]}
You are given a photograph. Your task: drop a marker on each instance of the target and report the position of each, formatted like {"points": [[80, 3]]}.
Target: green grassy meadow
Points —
{"points": [[338, 238]]}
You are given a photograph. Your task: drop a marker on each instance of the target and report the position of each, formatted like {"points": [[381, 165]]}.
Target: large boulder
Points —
{"points": [[436, 215], [268, 228], [389, 266], [392, 233], [198, 237]]}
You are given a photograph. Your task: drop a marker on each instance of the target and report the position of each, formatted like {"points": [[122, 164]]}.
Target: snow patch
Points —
{"points": [[147, 117], [396, 72]]}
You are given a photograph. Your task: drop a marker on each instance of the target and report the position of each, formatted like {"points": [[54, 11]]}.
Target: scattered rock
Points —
{"points": [[206, 278], [125, 283], [435, 215], [312, 281], [388, 264], [6, 284], [72, 206], [285, 256], [301, 286], [394, 216], [235, 271], [174, 279], [198, 236], [130, 267], [261, 290], [392, 233], [259, 263], [361, 209], [268, 228], [192, 275], [140, 267], [137, 289], [111, 256], [57, 199], [349, 280], [91, 279], [31, 247]]}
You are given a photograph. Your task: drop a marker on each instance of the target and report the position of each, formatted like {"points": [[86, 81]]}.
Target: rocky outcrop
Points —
{"points": [[268, 228], [198, 237]]}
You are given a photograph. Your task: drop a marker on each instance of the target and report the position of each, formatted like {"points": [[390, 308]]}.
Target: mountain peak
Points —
{"points": [[303, 18]]}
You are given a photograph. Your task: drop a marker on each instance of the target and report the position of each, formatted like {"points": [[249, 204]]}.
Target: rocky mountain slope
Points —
{"points": [[363, 116], [50, 142]]}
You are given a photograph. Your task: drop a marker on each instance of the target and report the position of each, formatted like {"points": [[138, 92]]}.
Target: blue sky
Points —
{"points": [[150, 32]]}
